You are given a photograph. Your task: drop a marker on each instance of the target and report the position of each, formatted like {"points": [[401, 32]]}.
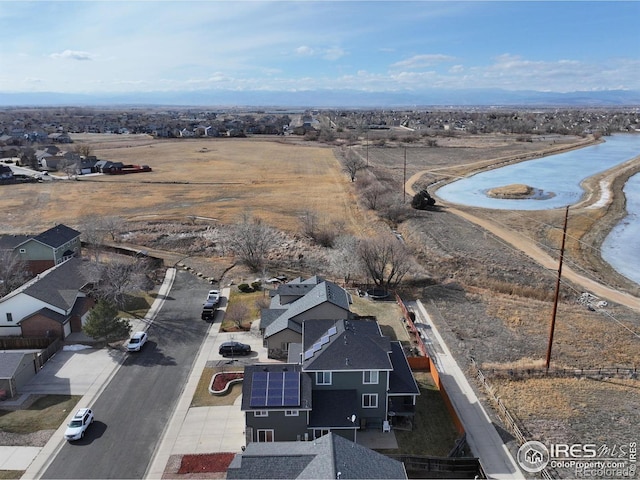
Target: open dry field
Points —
{"points": [[490, 300], [214, 179]]}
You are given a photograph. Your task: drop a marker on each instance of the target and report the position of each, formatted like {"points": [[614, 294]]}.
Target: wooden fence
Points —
{"points": [[418, 466], [19, 343], [597, 372], [510, 423], [48, 352], [428, 353]]}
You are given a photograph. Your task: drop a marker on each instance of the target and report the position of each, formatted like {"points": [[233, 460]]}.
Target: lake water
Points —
{"points": [[558, 178], [621, 248]]}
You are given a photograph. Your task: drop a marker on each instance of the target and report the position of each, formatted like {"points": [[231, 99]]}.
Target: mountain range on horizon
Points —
{"points": [[330, 98]]}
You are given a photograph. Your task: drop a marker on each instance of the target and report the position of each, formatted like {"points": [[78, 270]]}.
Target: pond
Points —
{"points": [[555, 179], [621, 247]]}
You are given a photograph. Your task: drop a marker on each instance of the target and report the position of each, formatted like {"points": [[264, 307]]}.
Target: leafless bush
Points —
{"points": [[237, 313]]}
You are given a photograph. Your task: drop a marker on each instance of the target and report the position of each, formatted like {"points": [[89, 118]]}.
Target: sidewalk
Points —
{"points": [[482, 437], [193, 430], [35, 460]]}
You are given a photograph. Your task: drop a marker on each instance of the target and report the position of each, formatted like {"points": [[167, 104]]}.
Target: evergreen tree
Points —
{"points": [[103, 323]]}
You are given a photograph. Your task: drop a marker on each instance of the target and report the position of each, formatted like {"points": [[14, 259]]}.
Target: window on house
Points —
{"points": [[318, 432], [265, 435], [323, 378], [9, 317], [284, 346], [23, 250], [369, 400], [370, 376], [291, 413], [261, 413]]}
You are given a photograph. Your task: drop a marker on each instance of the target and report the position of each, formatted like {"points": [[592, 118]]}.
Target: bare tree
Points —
{"points": [[373, 194], [92, 236], [83, 150], [13, 272], [68, 167], [385, 259], [238, 313], [320, 232], [117, 279], [251, 240], [344, 260], [352, 164], [309, 223], [112, 225]]}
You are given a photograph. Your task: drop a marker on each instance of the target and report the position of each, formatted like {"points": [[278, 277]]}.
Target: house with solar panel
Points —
{"points": [[343, 377], [296, 301]]}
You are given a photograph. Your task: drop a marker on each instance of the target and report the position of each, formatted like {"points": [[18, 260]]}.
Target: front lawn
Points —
{"points": [[46, 413]]}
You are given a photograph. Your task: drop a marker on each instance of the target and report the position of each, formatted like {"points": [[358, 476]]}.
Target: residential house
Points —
{"points": [[49, 248], [328, 457], [296, 301], [107, 166], [53, 304], [359, 379], [16, 369], [59, 138]]}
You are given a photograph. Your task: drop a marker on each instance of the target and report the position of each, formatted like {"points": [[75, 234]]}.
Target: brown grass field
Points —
{"points": [[220, 180]]}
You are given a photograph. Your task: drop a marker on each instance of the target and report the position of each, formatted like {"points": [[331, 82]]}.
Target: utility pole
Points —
{"points": [[555, 299]]}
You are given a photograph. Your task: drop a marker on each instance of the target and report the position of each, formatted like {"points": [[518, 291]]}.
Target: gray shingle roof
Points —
{"points": [[319, 294], [57, 236], [9, 242], [328, 457], [401, 380], [59, 286], [356, 345], [9, 363]]}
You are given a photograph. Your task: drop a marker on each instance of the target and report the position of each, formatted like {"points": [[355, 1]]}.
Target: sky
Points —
{"points": [[380, 46]]}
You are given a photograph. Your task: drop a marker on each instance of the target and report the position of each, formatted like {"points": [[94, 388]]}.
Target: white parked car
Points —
{"points": [[136, 342], [79, 424], [213, 296]]}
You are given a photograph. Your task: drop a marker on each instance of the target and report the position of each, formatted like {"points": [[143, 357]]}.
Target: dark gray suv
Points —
{"points": [[230, 349]]}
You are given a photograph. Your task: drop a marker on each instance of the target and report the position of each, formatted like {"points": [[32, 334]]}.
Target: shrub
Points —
{"points": [[245, 288], [255, 286]]}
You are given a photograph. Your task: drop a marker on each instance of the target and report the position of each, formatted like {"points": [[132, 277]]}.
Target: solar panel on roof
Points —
{"points": [[275, 389]]}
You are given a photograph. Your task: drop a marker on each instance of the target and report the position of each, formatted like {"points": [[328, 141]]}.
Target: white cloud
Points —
{"points": [[334, 53], [304, 51], [421, 61], [73, 54]]}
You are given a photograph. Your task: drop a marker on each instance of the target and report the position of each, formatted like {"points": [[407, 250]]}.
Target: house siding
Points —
{"points": [[274, 343], [353, 381], [286, 429], [21, 306], [41, 326]]}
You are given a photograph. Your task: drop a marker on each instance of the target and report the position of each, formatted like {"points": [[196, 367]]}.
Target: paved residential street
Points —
{"points": [[133, 410]]}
